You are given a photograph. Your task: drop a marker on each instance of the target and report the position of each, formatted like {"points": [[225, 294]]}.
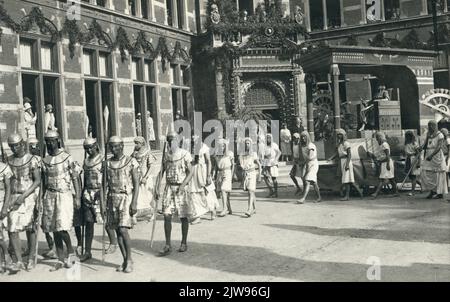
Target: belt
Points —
{"points": [[225, 169], [92, 188], [56, 190], [118, 191], [173, 184]]}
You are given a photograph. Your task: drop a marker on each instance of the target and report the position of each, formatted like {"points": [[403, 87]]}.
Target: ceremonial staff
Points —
{"points": [[104, 183], [40, 202], [4, 160], [156, 192]]}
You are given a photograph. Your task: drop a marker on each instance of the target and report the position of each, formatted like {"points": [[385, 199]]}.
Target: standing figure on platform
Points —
{"points": [[249, 162], [387, 170], [270, 165], [285, 136], [296, 171], [138, 125], [224, 174], [309, 166], [299, 125], [151, 129], [61, 180], [145, 159], [178, 169], [24, 198], [30, 119], [90, 197], [346, 164], [433, 175], [382, 94], [412, 163], [49, 118], [5, 194], [121, 202]]}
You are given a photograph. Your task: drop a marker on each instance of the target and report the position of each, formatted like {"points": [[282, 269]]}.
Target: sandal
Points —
{"points": [[59, 265], [248, 214], [121, 267], [183, 248], [165, 251], [129, 267], [222, 214]]}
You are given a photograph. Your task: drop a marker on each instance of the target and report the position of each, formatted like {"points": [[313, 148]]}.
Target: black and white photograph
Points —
{"points": [[239, 142]]}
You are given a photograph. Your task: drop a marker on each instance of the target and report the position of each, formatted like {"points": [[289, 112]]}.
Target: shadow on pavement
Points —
{"points": [[257, 261], [424, 234]]}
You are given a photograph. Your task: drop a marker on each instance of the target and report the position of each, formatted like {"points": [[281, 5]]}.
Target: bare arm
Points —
{"points": [[208, 167], [77, 188], [149, 166], [36, 182], [387, 159], [277, 155], [135, 178], [4, 209], [349, 158], [187, 179]]}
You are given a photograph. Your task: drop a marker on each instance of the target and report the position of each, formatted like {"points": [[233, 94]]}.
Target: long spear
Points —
{"points": [[156, 190], [1, 148], [104, 183]]}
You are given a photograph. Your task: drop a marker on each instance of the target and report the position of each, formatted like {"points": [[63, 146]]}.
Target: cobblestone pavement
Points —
{"points": [[330, 241]]}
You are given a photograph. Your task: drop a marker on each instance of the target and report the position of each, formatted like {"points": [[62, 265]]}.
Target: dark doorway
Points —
{"points": [[89, 88], [51, 96], [107, 101]]}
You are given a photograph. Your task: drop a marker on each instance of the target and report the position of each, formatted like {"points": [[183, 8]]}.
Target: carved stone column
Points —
{"points": [[299, 92], [220, 93], [238, 102], [309, 83], [334, 71]]}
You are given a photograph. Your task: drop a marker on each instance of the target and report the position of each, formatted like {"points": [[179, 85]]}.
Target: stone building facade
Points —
{"points": [[83, 56]]}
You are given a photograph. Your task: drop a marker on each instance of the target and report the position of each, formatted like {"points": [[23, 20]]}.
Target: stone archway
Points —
{"points": [[267, 94]]}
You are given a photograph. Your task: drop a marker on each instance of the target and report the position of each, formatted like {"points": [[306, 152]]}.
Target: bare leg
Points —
{"points": [[305, 192], [413, 185], [16, 245], [229, 203], [295, 183], [126, 243], [31, 241], [347, 192], [394, 187], [251, 203], [223, 213], [266, 180], [377, 191], [275, 186], [184, 230], [360, 192], [317, 189], [167, 228]]}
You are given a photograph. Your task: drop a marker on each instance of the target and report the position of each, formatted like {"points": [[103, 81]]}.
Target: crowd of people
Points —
{"points": [[56, 194]]}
